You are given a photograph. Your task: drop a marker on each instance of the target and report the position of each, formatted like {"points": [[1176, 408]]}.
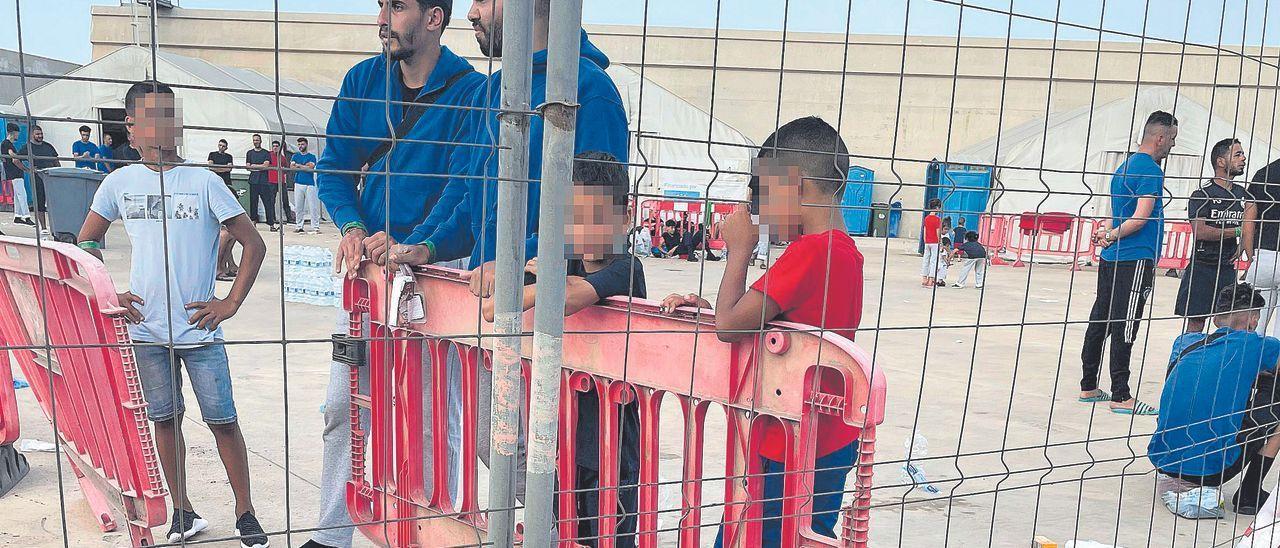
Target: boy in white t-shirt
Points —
{"points": [[173, 214]]}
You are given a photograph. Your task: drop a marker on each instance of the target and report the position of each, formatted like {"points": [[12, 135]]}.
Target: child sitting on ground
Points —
{"points": [[1209, 429], [817, 281]]}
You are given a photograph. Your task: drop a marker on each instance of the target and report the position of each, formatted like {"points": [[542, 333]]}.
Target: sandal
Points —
{"points": [[1101, 396], [1139, 408]]}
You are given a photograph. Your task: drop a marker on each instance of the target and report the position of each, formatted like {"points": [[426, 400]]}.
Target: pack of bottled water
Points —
{"points": [[309, 278]]}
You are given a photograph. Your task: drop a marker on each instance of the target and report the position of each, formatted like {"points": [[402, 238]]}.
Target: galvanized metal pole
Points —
{"points": [[559, 116], [513, 171]]}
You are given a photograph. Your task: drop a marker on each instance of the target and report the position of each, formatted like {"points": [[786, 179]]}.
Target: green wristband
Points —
{"points": [[89, 244], [431, 247], [1239, 231], [352, 225]]}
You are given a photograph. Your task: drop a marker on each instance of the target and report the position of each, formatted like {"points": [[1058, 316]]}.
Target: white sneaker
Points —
{"points": [[977, 287]]}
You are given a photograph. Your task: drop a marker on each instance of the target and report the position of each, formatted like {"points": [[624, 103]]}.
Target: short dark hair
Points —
{"points": [[303, 140], [1162, 118], [84, 129], [445, 5], [37, 128], [946, 240], [935, 203], [1221, 149], [139, 89], [1237, 298], [595, 168], [811, 144], [11, 127], [970, 236], [258, 135], [960, 220], [223, 141], [275, 143]]}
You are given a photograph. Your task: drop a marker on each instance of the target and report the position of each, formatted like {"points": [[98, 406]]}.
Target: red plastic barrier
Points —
{"points": [[385, 496], [1179, 243], [1052, 235], [57, 318], [690, 214], [993, 234]]}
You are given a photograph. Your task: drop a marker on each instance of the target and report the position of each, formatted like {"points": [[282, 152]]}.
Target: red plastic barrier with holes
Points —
{"points": [[1179, 243], [772, 385], [689, 214], [993, 234], [60, 296], [1051, 235], [9, 426]]}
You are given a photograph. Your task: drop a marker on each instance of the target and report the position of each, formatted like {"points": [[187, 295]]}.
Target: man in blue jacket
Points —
{"points": [[413, 89], [470, 228]]}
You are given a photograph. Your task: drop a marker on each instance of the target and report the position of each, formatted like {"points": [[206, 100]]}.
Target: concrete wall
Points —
{"points": [[937, 100]]}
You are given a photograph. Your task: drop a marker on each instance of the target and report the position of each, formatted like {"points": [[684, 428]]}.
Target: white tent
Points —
{"points": [[669, 152], [1041, 165], [231, 103]]}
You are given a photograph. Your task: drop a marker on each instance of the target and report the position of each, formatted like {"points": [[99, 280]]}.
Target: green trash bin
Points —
{"points": [[879, 220], [240, 184], [69, 193]]}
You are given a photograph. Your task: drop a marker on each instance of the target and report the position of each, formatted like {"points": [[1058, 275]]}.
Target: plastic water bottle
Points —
{"points": [[918, 448]]}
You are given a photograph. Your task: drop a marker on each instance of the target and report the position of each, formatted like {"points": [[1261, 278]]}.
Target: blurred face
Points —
{"points": [[779, 198], [486, 19], [1234, 161], [257, 141], [302, 146], [403, 27], [84, 136], [597, 226], [156, 122]]}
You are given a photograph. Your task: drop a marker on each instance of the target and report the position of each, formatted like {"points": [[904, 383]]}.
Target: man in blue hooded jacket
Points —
{"points": [[470, 228], [414, 89]]}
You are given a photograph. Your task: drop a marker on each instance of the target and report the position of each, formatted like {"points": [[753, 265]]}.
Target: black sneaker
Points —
{"points": [[185, 524], [250, 533], [24, 221], [314, 544], [1249, 504]]}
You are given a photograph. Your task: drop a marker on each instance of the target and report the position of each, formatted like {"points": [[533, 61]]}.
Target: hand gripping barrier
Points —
{"points": [[85, 377], [769, 386], [688, 212]]}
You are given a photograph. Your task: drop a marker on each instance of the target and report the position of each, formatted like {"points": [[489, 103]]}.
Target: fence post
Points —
{"points": [[513, 173], [560, 117]]}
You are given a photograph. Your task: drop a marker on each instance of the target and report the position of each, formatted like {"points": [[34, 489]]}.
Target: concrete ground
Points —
{"points": [[1011, 451]]}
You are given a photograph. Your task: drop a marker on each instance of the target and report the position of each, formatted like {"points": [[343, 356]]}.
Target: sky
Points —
{"points": [[60, 28]]}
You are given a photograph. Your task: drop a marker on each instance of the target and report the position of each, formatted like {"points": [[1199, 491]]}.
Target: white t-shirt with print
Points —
{"points": [[194, 205]]}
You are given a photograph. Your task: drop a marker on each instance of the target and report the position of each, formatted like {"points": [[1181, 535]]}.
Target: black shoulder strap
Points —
{"points": [[413, 113], [1193, 347]]}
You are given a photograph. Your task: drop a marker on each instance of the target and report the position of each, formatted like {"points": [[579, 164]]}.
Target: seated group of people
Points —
{"points": [[677, 240]]}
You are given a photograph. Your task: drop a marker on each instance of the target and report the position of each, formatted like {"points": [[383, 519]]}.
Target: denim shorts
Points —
{"points": [[210, 376]]}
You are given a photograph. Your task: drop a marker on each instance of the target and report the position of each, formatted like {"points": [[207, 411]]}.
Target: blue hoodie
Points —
{"points": [[419, 169], [471, 226]]}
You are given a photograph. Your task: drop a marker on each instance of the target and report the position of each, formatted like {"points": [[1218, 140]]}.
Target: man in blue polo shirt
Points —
{"points": [[415, 81], [1131, 241], [1210, 428], [303, 164], [84, 151]]}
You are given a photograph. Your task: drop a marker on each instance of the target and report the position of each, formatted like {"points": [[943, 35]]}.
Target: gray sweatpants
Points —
{"points": [[334, 526]]}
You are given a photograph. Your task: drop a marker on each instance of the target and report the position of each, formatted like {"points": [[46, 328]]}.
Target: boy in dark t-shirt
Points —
{"points": [[598, 267], [1217, 211]]}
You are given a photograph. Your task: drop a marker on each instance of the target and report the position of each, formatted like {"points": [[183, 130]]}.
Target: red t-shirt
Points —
{"points": [[932, 224], [817, 273], [273, 176]]}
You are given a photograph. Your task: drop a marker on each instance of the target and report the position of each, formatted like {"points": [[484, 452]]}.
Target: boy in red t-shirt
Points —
{"points": [[932, 233], [817, 281]]}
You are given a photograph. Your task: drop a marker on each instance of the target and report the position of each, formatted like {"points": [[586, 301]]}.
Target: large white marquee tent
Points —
{"points": [[1040, 164]]}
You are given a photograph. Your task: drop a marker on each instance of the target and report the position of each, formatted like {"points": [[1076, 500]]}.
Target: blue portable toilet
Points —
{"points": [[858, 188], [895, 218], [963, 188]]}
